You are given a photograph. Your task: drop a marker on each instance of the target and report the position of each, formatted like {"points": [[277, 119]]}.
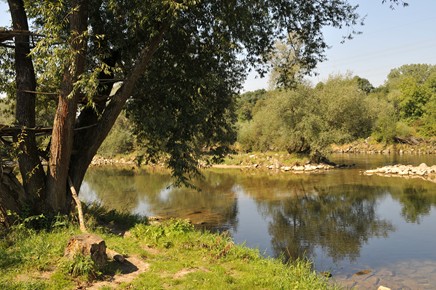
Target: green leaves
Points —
{"points": [[412, 91], [308, 120]]}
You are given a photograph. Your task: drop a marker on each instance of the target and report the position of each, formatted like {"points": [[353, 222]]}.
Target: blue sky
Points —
{"points": [[4, 14], [390, 39]]}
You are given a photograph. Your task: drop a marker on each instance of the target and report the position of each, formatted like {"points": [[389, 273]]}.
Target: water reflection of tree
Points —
{"points": [[335, 212], [337, 219], [416, 196], [416, 203], [215, 205], [122, 189]]}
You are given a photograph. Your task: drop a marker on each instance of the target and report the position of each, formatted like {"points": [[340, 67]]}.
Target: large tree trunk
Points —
{"points": [[31, 169], [60, 152], [64, 123]]}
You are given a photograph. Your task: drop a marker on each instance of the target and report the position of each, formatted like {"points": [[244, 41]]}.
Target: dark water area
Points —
{"points": [[342, 220]]}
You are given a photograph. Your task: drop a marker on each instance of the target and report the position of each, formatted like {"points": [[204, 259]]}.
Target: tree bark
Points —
{"points": [[31, 169], [63, 127]]}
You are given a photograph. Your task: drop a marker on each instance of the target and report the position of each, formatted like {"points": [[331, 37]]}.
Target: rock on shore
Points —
{"points": [[100, 161], [368, 146], [423, 170], [305, 168]]}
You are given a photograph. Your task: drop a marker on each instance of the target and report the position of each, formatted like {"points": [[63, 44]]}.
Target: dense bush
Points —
{"points": [[308, 120], [411, 90]]}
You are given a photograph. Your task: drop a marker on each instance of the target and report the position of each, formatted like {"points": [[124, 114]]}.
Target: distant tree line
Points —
{"points": [[308, 119]]}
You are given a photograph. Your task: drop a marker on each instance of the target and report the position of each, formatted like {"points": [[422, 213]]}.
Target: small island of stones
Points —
{"points": [[422, 171]]}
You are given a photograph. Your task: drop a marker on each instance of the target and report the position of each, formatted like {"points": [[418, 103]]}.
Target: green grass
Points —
{"points": [[179, 257], [214, 262], [28, 254]]}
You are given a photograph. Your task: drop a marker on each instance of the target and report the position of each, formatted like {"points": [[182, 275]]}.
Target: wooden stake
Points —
{"points": [[79, 206]]}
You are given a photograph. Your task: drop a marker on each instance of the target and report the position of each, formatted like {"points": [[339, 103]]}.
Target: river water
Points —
{"points": [[347, 223]]}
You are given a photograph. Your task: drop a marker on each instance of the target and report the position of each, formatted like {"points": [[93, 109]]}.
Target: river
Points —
{"points": [[347, 223]]}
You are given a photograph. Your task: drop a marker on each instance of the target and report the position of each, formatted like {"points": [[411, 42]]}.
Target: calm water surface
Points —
{"points": [[344, 221]]}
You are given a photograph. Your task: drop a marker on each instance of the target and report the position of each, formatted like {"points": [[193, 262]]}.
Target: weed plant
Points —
{"points": [[81, 266]]}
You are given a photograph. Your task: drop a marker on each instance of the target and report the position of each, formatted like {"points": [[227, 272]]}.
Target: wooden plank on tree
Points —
{"points": [[6, 130]]}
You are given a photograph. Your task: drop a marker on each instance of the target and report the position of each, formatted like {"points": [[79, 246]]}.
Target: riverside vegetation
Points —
{"points": [[171, 254], [344, 114]]}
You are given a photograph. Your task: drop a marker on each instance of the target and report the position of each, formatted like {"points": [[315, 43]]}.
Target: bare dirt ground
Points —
{"points": [[128, 270]]}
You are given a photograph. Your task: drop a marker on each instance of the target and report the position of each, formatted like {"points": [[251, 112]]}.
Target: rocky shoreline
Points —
{"points": [[272, 165], [294, 168], [123, 161], [367, 147], [421, 171], [299, 168]]}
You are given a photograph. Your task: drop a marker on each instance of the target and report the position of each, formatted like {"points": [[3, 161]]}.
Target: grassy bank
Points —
{"points": [[170, 255]]}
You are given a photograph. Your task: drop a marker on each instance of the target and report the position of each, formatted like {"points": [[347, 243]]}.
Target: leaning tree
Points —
{"points": [[177, 63]]}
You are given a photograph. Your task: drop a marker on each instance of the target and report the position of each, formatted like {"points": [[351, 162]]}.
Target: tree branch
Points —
{"points": [[94, 138]]}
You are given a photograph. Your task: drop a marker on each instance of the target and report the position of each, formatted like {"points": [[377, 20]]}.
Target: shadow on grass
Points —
{"points": [[114, 267], [8, 260], [117, 222]]}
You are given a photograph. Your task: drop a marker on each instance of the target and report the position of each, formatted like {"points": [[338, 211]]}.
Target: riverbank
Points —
{"points": [[259, 160], [163, 255], [283, 160]]}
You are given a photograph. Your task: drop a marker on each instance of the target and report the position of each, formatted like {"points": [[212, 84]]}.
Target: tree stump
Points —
{"points": [[87, 245]]}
